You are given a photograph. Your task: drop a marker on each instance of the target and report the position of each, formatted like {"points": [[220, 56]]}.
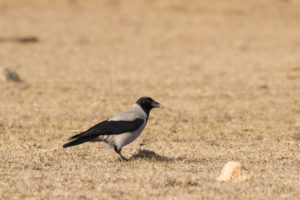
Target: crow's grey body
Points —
{"points": [[119, 130], [120, 140]]}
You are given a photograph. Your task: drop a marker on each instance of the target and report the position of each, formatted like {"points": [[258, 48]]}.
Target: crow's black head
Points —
{"points": [[147, 103]]}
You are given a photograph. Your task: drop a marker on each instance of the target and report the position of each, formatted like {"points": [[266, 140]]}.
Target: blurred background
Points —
{"points": [[82, 52], [228, 73]]}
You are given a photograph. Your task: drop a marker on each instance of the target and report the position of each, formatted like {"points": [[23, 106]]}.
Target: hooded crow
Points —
{"points": [[119, 130]]}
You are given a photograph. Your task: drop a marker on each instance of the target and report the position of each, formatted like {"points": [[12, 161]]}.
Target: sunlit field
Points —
{"points": [[227, 73]]}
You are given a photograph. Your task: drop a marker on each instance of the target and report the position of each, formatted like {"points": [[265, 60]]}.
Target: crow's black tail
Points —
{"points": [[79, 141], [77, 136]]}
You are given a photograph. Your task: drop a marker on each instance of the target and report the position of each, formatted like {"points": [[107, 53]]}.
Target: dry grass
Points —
{"points": [[228, 73]]}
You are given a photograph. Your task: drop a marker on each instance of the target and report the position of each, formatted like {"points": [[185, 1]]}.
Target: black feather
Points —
{"points": [[76, 136], [105, 128], [79, 141]]}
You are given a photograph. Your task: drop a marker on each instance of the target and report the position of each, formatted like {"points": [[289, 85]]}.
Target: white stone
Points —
{"points": [[232, 171]]}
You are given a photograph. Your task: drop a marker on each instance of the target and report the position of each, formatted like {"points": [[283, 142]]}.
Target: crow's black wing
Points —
{"points": [[111, 128], [105, 128]]}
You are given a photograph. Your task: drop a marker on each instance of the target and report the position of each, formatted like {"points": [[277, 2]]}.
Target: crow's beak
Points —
{"points": [[156, 105]]}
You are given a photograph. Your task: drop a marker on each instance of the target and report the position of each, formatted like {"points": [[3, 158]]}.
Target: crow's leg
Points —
{"points": [[118, 151]]}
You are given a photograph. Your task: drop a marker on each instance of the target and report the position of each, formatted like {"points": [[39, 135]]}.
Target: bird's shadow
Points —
{"points": [[149, 155], [152, 156]]}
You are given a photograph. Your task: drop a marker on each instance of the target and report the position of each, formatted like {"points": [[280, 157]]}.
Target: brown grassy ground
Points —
{"points": [[228, 73]]}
